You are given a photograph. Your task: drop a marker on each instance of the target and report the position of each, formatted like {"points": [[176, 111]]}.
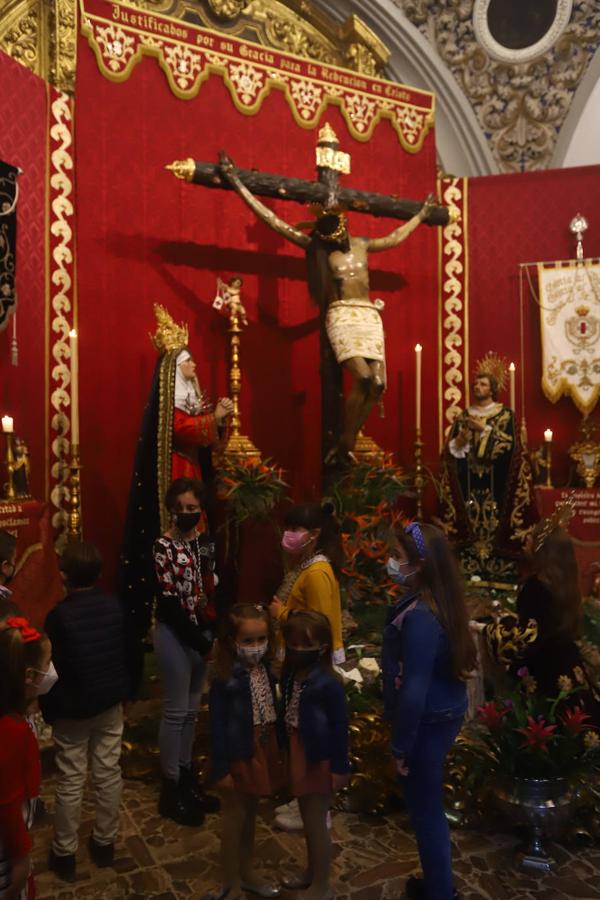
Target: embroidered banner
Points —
{"points": [[9, 191], [120, 35], [570, 332]]}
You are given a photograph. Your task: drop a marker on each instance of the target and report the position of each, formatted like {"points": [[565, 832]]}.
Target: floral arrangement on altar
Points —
{"points": [[251, 488], [365, 499], [526, 736]]}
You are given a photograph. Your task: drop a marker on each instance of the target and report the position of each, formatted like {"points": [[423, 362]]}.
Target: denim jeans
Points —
{"points": [[182, 674], [423, 793]]}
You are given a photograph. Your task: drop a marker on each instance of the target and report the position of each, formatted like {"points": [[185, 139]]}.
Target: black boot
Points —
{"points": [[63, 866], [415, 889], [175, 803], [188, 781]]}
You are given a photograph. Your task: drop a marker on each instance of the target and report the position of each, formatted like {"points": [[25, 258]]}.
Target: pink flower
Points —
{"points": [[523, 672], [490, 715], [574, 720], [537, 733]]}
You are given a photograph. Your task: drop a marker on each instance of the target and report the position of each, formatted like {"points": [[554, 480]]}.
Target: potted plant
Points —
{"points": [[538, 752]]}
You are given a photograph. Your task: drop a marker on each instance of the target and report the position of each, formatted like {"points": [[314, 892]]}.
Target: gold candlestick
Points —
{"points": [[74, 532], [238, 445], [419, 477], [10, 467]]}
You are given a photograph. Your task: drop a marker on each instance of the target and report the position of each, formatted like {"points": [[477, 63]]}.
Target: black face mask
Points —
{"points": [[300, 660], [187, 520]]}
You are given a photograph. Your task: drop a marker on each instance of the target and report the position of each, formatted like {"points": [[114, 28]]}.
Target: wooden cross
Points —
{"points": [[327, 194]]}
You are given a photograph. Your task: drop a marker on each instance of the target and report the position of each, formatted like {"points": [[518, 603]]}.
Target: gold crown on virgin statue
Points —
{"points": [[169, 335], [495, 365]]}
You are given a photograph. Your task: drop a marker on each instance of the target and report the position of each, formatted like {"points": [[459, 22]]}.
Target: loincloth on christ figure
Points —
{"points": [[355, 329]]}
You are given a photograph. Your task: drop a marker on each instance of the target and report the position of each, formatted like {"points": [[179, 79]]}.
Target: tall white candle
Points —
{"points": [[7, 425], [418, 355], [74, 387], [548, 436], [511, 374]]}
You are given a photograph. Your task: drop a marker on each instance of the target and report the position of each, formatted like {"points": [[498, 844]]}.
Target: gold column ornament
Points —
{"points": [[74, 532], [419, 476], [238, 446]]}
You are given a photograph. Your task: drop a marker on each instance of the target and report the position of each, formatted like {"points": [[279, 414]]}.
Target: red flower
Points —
{"points": [[490, 715], [574, 720], [537, 733]]}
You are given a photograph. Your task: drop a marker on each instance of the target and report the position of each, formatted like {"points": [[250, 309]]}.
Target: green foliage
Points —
{"points": [[251, 489]]}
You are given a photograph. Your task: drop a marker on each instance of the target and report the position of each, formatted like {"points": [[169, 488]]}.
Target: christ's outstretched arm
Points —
{"points": [[399, 234], [259, 209]]}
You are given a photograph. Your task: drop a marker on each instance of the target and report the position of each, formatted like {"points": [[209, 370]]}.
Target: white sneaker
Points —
{"points": [[292, 821], [286, 808]]}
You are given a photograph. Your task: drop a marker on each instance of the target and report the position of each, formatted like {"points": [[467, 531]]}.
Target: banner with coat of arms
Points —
{"points": [[570, 332]]}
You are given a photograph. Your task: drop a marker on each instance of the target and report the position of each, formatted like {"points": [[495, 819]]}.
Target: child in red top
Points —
{"points": [[25, 671]]}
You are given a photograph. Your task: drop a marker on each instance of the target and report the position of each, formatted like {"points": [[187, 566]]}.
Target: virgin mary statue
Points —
{"points": [[179, 430]]}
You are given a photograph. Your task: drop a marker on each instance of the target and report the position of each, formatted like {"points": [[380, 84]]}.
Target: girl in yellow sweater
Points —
{"points": [[313, 545]]}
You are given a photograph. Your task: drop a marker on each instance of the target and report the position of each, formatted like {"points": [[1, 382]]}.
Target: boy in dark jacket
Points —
{"points": [[85, 707]]}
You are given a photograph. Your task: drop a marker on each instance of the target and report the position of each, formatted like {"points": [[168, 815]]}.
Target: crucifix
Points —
{"points": [[338, 276]]}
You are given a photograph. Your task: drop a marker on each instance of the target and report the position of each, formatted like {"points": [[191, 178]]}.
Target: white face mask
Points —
{"points": [[396, 573], [48, 680], [251, 656]]}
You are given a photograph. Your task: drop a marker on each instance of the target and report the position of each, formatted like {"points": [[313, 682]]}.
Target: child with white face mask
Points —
{"points": [[245, 744], [26, 671]]}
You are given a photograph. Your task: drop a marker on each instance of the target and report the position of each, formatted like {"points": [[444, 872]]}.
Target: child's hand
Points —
{"points": [[339, 782], [225, 784], [18, 877], [275, 607], [401, 767]]}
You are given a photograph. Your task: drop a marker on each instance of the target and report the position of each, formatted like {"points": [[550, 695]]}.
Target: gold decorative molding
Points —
{"points": [[42, 35], [453, 304], [62, 317], [294, 26]]}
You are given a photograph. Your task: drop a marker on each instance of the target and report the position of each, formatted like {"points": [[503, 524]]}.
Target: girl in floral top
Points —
{"points": [[185, 613], [244, 741]]}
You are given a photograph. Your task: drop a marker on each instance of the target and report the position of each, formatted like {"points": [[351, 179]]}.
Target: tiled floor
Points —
{"points": [[157, 859]]}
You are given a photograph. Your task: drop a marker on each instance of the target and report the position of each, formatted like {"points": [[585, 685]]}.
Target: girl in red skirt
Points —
{"points": [[26, 671], [316, 720], [245, 746]]}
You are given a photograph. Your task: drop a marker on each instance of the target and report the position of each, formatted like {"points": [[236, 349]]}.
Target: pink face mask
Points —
{"points": [[295, 541]]}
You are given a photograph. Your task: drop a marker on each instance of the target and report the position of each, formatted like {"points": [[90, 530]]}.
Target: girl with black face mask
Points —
{"points": [[316, 722], [183, 638]]}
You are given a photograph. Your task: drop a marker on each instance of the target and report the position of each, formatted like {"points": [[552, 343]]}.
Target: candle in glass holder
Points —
{"points": [[418, 354], [7, 425], [74, 387], [511, 374], [548, 436]]}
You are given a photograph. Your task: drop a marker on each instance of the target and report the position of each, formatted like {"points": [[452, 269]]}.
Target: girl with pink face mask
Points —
{"points": [[313, 546]]}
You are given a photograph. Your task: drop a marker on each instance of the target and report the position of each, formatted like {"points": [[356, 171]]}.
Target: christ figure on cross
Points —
{"points": [[338, 276]]}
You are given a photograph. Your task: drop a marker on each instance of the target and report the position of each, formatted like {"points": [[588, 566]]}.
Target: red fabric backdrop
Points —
{"points": [[525, 218], [143, 237], [23, 139]]}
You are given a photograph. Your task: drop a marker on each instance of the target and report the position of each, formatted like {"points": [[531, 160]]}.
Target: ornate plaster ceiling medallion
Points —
{"points": [[500, 27]]}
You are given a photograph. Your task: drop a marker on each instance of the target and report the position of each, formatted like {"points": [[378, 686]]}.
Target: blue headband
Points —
{"points": [[414, 529]]}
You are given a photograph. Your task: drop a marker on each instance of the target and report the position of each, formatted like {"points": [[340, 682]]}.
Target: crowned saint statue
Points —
{"points": [[486, 486], [179, 430]]}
